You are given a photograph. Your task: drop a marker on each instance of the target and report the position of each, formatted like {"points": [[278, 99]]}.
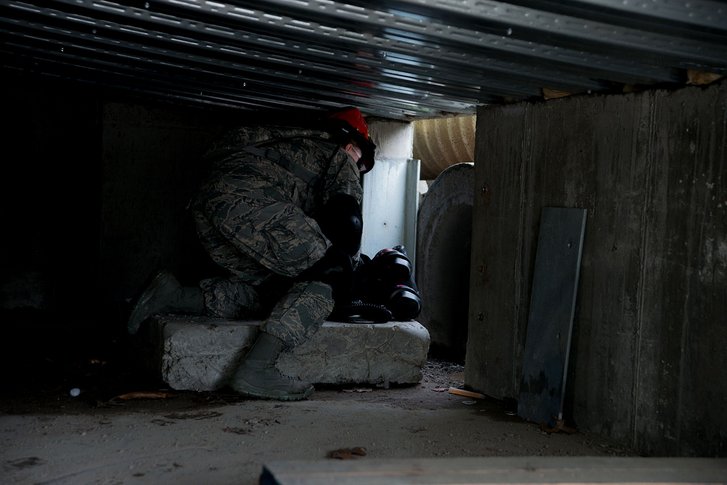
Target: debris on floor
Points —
{"points": [[347, 453], [560, 427], [145, 395], [464, 392]]}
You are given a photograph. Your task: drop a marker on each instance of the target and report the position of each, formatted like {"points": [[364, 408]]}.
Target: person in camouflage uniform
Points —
{"points": [[280, 213]]}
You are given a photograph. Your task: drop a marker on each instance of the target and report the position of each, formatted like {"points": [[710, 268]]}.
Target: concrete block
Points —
{"points": [[342, 353], [444, 228], [200, 354]]}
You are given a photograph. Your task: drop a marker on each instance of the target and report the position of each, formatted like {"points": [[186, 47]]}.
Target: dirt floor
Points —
{"points": [[49, 436]]}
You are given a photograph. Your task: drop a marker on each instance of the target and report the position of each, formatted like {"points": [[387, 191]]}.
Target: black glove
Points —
{"points": [[335, 268], [360, 312]]}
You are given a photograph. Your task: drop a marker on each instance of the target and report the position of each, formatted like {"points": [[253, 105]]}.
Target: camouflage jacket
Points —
{"points": [[260, 178], [314, 167]]}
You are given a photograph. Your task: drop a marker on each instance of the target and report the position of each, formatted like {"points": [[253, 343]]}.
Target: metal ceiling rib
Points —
{"points": [[398, 59], [241, 79]]}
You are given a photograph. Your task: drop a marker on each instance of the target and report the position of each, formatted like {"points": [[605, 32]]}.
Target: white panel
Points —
{"points": [[390, 206]]}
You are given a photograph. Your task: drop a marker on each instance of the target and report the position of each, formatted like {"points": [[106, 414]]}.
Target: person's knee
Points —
{"points": [[227, 297]]}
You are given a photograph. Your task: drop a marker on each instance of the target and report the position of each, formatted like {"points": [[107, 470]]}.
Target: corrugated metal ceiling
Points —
{"points": [[399, 59]]}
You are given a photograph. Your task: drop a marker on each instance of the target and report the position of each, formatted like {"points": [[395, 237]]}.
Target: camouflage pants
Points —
{"points": [[295, 316], [300, 313], [291, 243], [230, 298]]}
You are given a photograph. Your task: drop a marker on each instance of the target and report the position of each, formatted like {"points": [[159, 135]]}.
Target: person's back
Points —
{"points": [[263, 195], [302, 166]]}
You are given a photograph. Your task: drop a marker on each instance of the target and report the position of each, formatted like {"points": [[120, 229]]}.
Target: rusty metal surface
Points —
{"points": [[397, 59]]}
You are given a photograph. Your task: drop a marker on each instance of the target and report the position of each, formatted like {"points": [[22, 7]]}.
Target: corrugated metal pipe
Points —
{"points": [[442, 142]]}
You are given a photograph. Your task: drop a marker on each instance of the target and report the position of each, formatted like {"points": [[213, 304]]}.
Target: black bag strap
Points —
{"points": [[360, 312]]}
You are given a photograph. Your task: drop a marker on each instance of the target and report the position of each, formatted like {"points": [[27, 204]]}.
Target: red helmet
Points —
{"points": [[350, 124], [354, 118]]}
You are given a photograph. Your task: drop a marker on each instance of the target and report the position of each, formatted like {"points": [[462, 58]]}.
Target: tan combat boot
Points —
{"points": [[257, 376]]}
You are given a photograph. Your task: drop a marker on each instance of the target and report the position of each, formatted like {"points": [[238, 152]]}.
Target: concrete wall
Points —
{"points": [[151, 158], [94, 196], [50, 197], [648, 358]]}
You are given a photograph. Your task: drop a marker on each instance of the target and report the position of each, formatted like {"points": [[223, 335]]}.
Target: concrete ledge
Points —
{"points": [[200, 354], [342, 353], [497, 470]]}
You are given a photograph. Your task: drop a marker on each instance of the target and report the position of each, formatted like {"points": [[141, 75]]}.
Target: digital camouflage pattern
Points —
{"points": [[300, 313], [255, 218], [230, 298]]}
